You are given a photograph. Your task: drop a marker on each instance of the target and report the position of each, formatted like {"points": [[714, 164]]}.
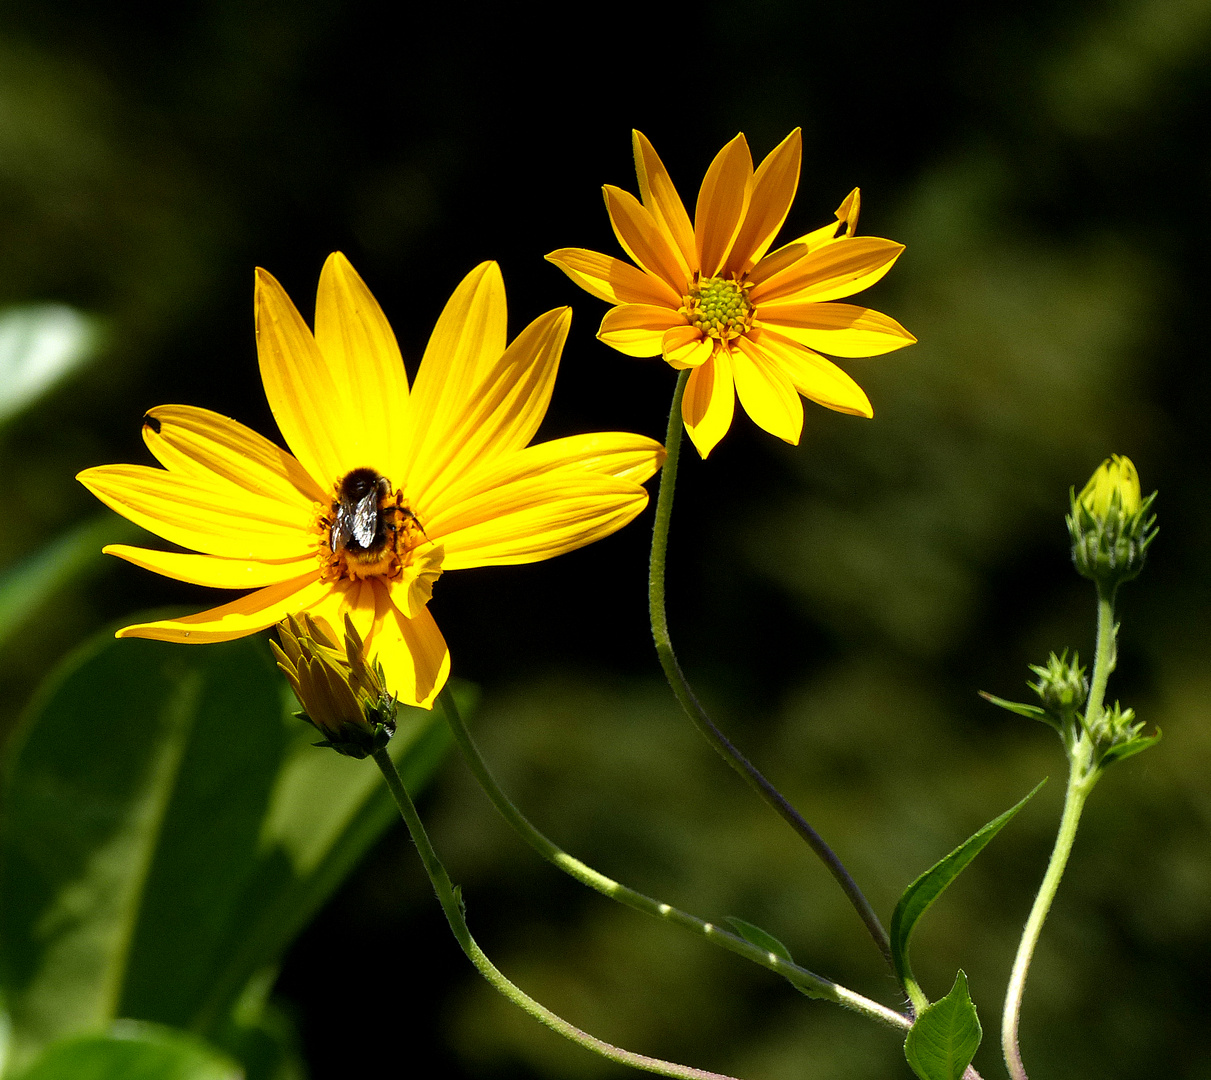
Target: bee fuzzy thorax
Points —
{"points": [[368, 530]]}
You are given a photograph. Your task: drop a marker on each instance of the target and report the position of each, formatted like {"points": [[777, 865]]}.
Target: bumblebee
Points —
{"points": [[368, 525]]}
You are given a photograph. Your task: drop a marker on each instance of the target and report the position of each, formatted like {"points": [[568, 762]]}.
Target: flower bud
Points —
{"points": [[1062, 687], [1110, 525], [342, 695]]}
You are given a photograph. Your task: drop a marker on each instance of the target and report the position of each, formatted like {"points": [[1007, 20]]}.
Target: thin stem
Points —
{"points": [[809, 983], [1082, 775], [451, 902], [693, 708]]}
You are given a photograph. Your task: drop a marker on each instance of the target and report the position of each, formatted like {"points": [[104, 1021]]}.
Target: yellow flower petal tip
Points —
{"points": [[701, 292], [386, 486]]}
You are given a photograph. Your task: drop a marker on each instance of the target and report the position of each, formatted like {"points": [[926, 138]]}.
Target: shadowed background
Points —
{"points": [[838, 604]]}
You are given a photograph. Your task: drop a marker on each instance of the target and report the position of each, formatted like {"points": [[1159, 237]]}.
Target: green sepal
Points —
{"points": [[754, 935], [1031, 712], [918, 897], [1130, 749], [945, 1037]]}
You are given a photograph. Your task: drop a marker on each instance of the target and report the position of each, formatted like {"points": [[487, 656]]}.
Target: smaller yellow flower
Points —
{"points": [[1116, 476], [711, 296], [343, 697]]}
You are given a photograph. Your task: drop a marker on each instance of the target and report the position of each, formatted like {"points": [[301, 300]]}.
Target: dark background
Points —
{"points": [[838, 604]]}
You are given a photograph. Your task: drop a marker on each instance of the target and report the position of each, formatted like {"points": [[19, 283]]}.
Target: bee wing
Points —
{"points": [[365, 520]]}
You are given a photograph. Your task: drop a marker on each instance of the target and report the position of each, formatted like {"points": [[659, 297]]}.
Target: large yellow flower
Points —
{"points": [[387, 488], [707, 295]]}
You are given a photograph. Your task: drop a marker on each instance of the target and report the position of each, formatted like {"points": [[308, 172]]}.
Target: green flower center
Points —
{"points": [[719, 308]]}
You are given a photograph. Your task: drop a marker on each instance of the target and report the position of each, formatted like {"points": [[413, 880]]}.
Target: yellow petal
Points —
{"points": [[766, 394], [616, 454], [686, 347], [709, 402], [539, 513], [644, 240], [638, 329], [238, 619], [846, 224], [775, 262], [774, 186], [497, 416], [722, 203], [612, 279], [212, 571], [364, 363], [830, 272], [306, 403], [215, 447], [816, 378], [836, 329], [661, 198], [207, 517], [414, 655], [465, 346]]}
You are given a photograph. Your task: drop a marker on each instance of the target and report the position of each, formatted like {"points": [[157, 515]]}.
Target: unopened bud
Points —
{"points": [[1109, 524], [343, 696], [1062, 687]]}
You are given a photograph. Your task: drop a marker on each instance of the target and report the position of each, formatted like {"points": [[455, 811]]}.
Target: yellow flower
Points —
{"points": [[1115, 476], [387, 487], [711, 295]]}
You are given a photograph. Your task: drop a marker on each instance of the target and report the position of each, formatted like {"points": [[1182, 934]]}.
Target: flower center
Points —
{"points": [[719, 308], [367, 530]]}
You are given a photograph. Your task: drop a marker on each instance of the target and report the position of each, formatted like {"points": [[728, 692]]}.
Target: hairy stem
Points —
{"points": [[693, 708], [451, 904], [1082, 775], [806, 981]]}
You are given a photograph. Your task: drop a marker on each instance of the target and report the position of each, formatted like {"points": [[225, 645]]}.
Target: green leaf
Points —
{"points": [[754, 935], [1129, 749], [946, 1036], [132, 1051], [1031, 712], [30, 583], [39, 345], [169, 829], [930, 885]]}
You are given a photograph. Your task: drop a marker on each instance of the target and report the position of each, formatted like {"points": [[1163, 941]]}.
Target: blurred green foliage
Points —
{"points": [[838, 603]]}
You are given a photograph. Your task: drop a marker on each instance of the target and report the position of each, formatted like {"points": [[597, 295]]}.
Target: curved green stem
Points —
{"points": [[693, 708], [806, 981], [451, 902], [1082, 775]]}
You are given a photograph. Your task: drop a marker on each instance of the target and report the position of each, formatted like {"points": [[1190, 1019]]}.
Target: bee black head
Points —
{"points": [[151, 422], [359, 483]]}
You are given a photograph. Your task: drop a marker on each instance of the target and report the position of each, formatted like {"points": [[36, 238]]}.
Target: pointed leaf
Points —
{"points": [[945, 1037], [1031, 712], [930, 885], [754, 935], [168, 830], [1130, 749]]}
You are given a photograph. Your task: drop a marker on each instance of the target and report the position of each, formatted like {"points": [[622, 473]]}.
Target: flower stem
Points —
{"points": [[451, 902], [1083, 773], [693, 708], [806, 981]]}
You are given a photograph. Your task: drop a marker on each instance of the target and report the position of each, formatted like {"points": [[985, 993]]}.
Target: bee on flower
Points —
{"points": [[712, 297], [386, 486]]}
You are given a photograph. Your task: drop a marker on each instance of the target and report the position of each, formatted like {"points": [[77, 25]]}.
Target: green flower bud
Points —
{"points": [[1062, 687], [342, 695], [1110, 526]]}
